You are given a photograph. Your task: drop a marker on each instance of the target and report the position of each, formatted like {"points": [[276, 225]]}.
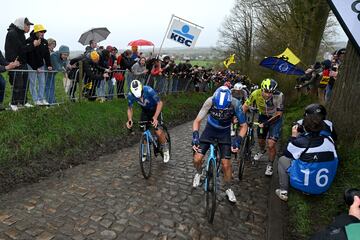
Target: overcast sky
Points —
{"points": [[65, 20]]}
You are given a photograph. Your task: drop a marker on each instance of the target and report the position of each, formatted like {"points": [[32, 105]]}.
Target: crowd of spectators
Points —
{"points": [[34, 63], [319, 78]]}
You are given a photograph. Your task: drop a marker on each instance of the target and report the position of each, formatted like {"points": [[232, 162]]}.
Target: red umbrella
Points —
{"points": [[140, 42]]}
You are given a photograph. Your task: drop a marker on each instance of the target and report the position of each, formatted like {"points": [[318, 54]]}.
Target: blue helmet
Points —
{"points": [[222, 98]]}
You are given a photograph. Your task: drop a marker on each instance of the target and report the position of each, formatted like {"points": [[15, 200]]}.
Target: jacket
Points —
{"points": [[3, 63], [40, 55], [57, 63], [16, 46]]}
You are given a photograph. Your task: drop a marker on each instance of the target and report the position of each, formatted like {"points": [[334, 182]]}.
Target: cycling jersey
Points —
{"points": [[267, 107], [221, 119], [150, 98]]}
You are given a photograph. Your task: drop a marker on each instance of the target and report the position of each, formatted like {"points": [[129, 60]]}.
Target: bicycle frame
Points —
{"points": [[212, 157], [150, 138]]}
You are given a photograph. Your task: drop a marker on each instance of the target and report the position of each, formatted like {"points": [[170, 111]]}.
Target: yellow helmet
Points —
{"points": [[268, 85], [39, 28]]}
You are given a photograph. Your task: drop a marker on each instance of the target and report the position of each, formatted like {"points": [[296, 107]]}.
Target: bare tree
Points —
{"points": [[237, 33]]}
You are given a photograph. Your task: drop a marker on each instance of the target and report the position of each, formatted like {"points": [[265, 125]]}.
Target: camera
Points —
{"points": [[350, 194], [300, 128]]}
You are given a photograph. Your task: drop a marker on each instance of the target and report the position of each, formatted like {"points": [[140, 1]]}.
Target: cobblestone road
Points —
{"points": [[110, 199]]}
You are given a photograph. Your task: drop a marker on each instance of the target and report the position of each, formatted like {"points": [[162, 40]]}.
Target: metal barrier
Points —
{"points": [[53, 87]]}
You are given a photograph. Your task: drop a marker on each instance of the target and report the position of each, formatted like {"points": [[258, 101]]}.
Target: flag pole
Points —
{"points": [[189, 22], [167, 30]]}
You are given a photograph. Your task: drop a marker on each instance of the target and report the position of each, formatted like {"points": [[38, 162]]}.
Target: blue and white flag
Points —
{"points": [[183, 33], [281, 66]]}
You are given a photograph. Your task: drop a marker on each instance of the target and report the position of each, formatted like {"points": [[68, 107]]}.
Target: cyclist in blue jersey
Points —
{"points": [[151, 106], [221, 107]]}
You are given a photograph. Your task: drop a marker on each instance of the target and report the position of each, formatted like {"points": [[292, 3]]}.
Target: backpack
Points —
{"points": [[313, 177]]}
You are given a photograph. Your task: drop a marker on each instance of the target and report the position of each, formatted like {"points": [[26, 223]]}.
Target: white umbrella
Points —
{"points": [[96, 34]]}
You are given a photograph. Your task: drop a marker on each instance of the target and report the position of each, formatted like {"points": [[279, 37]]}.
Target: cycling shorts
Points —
{"points": [[221, 135], [271, 132]]}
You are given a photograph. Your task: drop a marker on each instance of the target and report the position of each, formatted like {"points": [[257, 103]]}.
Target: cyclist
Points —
{"points": [[315, 108], [240, 92], [151, 107], [270, 104], [221, 108]]}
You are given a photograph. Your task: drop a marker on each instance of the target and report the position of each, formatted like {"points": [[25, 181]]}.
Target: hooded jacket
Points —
{"points": [[15, 43], [40, 55], [56, 61]]}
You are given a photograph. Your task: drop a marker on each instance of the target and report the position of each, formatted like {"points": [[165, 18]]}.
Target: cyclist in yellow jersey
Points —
{"points": [[270, 104]]}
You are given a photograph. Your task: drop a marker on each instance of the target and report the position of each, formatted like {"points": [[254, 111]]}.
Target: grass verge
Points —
{"points": [[308, 214], [38, 141]]}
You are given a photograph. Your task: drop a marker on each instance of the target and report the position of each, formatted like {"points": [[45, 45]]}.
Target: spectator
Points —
{"points": [[126, 62], [308, 155], [51, 44], [139, 68], [60, 62], [324, 80], [103, 67], [39, 61], [16, 48], [112, 63], [344, 226], [92, 46], [316, 75], [156, 69], [93, 74], [50, 80], [135, 56], [4, 66]]}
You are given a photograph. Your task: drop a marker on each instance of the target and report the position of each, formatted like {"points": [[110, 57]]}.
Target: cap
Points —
{"points": [[39, 28], [27, 22]]}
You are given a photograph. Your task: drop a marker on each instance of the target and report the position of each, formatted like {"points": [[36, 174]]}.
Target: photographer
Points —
{"points": [[344, 226], [310, 160], [315, 108]]}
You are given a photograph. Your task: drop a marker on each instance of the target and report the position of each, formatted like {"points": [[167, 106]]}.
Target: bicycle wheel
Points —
{"points": [[210, 188], [145, 157], [242, 157]]}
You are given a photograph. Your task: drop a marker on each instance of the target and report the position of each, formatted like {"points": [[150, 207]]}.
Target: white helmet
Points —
{"points": [[239, 86], [136, 88]]}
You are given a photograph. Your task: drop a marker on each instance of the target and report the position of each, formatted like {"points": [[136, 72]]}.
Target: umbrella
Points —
{"points": [[96, 34], [140, 42]]}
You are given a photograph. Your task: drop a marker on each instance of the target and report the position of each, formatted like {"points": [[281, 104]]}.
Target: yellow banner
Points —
{"points": [[229, 60], [289, 56]]}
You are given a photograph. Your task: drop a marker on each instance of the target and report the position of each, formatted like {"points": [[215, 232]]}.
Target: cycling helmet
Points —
{"points": [[315, 108], [239, 86], [268, 85], [222, 98], [136, 88]]}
